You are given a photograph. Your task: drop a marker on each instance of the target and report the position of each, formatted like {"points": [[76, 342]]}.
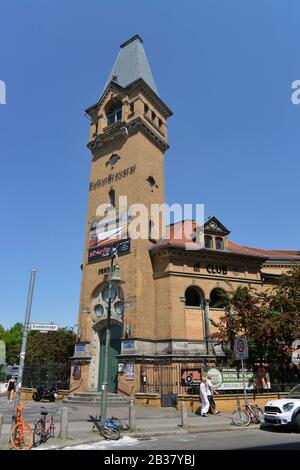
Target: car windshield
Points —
{"points": [[295, 392]]}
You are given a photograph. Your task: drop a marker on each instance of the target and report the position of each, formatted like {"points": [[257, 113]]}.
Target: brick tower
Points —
{"points": [[128, 138]]}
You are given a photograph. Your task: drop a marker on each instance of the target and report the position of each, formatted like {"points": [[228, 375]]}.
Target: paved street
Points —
{"points": [[247, 439], [157, 429]]}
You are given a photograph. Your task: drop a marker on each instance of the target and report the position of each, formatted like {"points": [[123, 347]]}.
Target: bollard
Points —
{"points": [[132, 425], [63, 432], [184, 415], [1, 423]]}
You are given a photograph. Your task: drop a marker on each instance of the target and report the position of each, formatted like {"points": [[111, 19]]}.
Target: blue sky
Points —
{"points": [[224, 68]]}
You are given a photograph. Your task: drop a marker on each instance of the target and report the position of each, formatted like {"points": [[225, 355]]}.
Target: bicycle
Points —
{"points": [[108, 429], [21, 433], [118, 422], [244, 416], [41, 432]]}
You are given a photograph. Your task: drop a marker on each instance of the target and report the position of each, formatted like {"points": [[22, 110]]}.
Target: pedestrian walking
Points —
{"points": [[11, 388], [203, 397], [210, 397]]}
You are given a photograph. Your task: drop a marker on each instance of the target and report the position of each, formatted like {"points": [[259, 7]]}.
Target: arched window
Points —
{"points": [[217, 298], [208, 242], [193, 297], [114, 113], [219, 244], [112, 197]]}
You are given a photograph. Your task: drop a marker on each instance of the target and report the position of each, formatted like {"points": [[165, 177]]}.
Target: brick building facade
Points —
{"points": [[170, 293]]}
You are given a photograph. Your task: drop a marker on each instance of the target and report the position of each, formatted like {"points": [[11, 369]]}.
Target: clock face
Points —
{"points": [[112, 294], [99, 310]]}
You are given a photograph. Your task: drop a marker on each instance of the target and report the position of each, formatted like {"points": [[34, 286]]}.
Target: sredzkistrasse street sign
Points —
{"points": [[44, 326]]}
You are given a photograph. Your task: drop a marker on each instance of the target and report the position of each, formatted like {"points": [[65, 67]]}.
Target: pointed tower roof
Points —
{"points": [[131, 64]]}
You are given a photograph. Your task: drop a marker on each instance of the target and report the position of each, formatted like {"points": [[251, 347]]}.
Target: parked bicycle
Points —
{"points": [[43, 431], [21, 433], [109, 430], [119, 423], [243, 416]]}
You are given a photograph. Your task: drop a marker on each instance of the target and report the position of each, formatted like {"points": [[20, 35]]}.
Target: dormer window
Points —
{"points": [[208, 242], [219, 243], [114, 113]]}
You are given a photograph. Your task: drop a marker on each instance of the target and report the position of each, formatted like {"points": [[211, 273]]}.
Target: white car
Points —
{"points": [[285, 411]]}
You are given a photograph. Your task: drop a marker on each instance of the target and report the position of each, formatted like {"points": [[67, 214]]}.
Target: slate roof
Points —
{"points": [[131, 64]]}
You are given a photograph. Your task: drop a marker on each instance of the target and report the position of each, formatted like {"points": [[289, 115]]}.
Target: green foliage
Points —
{"points": [[270, 319], [51, 347], [13, 341]]}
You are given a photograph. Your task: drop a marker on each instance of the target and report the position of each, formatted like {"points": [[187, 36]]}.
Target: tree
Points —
{"points": [[42, 348], [270, 319], [13, 341], [51, 347]]}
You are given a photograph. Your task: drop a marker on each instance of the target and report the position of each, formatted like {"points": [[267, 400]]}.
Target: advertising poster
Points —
{"points": [[106, 236], [190, 377], [129, 370], [232, 379]]}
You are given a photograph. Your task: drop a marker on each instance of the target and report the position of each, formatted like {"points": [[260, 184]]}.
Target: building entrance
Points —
{"points": [[114, 351]]}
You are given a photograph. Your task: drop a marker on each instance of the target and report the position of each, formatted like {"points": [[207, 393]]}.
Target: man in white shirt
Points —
{"points": [[203, 389], [210, 391]]}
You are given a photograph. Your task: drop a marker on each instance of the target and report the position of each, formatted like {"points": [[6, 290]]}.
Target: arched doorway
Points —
{"points": [[114, 351]]}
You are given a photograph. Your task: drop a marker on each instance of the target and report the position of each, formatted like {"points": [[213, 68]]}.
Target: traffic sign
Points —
{"points": [[240, 347], [44, 326]]}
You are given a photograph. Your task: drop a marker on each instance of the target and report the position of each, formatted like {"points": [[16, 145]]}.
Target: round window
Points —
{"points": [[119, 308], [109, 293], [99, 310]]}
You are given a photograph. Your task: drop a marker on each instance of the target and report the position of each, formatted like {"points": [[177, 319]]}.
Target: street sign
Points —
{"points": [[240, 347], [44, 326]]}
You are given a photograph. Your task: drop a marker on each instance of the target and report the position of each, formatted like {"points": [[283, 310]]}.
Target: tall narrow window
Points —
{"points": [[208, 242], [219, 244], [112, 197], [114, 113], [146, 108]]}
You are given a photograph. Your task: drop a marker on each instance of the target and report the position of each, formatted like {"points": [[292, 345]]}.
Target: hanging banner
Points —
{"points": [[107, 236]]}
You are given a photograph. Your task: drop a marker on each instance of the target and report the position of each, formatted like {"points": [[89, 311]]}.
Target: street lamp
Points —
{"points": [[109, 295]]}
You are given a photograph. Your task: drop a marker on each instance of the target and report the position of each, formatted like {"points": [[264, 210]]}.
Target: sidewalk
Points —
{"points": [[150, 422]]}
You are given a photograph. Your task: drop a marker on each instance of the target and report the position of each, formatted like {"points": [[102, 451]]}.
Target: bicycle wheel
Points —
{"points": [[38, 431], [21, 437], [110, 433], [241, 418]]}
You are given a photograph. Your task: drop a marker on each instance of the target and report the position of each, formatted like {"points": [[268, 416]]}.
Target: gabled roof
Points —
{"points": [[131, 64], [213, 225]]}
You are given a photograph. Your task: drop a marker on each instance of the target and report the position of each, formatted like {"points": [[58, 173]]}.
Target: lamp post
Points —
{"points": [[113, 280]]}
